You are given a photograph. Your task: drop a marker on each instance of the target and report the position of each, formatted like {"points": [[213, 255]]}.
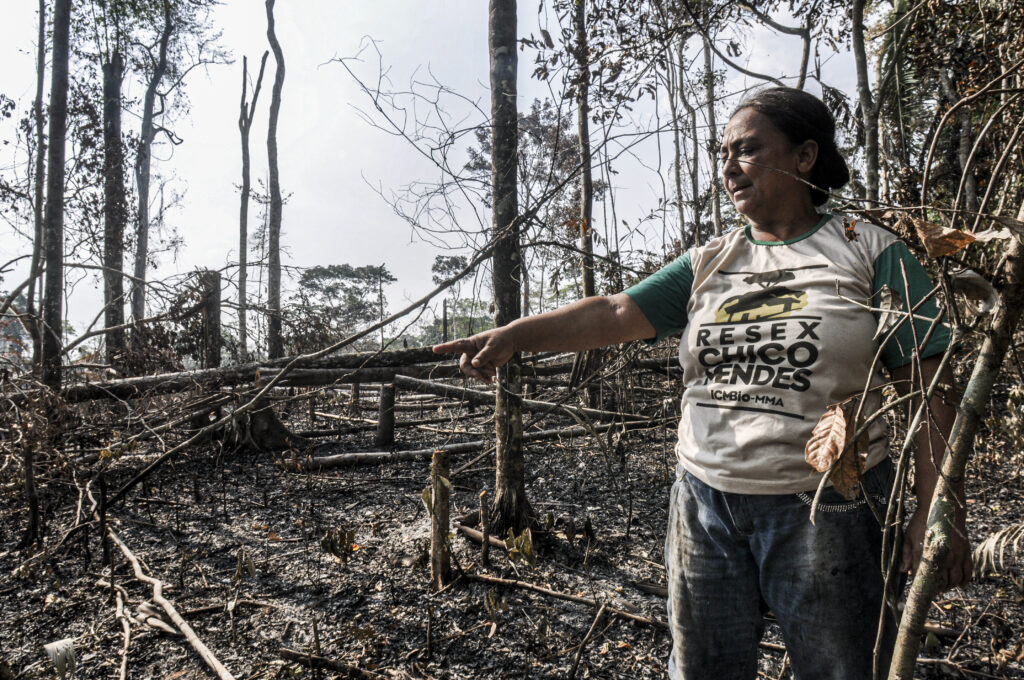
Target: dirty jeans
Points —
{"points": [[730, 557]]}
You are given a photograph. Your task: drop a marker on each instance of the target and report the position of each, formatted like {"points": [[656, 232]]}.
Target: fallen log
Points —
{"points": [[481, 397], [211, 378], [315, 464]]}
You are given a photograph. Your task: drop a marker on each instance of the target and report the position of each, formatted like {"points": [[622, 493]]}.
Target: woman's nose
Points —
{"points": [[730, 166]]}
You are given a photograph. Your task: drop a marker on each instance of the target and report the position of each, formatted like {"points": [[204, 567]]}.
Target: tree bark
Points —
{"points": [[511, 507], [673, 86], [709, 90], [245, 115], [210, 285], [587, 361], [142, 169], [926, 584], [53, 222], [40, 179], [440, 523], [868, 112], [114, 209], [695, 207], [583, 129], [275, 345]]}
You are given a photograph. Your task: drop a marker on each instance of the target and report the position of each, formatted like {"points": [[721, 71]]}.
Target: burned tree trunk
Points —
{"points": [[39, 181], [53, 222], [275, 345], [142, 170], [114, 213], [511, 507], [586, 362], [709, 90], [245, 115], [210, 286], [583, 128]]}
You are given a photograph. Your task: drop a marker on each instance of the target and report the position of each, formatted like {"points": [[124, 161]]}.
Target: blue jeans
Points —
{"points": [[730, 557]]}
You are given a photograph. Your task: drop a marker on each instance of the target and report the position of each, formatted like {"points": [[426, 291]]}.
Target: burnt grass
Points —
{"points": [[190, 521]]}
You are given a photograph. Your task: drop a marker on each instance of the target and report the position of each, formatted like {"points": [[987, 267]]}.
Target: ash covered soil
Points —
{"points": [[237, 543]]}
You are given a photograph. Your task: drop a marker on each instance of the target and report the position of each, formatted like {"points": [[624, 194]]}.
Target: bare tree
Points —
{"points": [[142, 166], [53, 221], [586, 179], [245, 115], [115, 214], [709, 89], [39, 181], [511, 507], [275, 346]]}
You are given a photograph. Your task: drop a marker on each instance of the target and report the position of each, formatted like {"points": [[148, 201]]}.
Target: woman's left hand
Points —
{"points": [[957, 567]]}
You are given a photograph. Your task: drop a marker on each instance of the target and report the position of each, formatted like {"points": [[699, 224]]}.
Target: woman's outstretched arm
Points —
{"points": [[585, 324]]}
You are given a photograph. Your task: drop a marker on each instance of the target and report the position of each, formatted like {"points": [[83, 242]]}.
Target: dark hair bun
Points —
{"points": [[801, 116]]}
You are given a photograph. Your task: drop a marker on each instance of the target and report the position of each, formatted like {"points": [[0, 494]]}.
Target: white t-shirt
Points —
{"points": [[774, 333]]}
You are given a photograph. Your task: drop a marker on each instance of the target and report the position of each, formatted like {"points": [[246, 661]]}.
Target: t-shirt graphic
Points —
{"points": [[772, 334]]}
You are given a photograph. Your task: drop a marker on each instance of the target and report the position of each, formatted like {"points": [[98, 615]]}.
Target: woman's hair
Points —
{"points": [[801, 116]]}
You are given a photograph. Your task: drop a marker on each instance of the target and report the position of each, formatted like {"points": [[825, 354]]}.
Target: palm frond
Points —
{"points": [[991, 554]]}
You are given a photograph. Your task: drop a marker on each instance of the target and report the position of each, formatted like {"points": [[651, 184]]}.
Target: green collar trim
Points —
{"points": [[824, 220]]}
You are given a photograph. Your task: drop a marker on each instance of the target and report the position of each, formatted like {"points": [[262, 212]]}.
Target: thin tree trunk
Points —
{"points": [[709, 90], [583, 129], [275, 345], [695, 157], [53, 222], [511, 507], [869, 114], [672, 84], [142, 170], [245, 117], [587, 361], [40, 179], [926, 584], [114, 212]]}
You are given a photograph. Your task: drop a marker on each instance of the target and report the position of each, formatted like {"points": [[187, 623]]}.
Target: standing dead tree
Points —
{"points": [[511, 507], [39, 180], [142, 169], [275, 346], [53, 222], [115, 212], [247, 110]]}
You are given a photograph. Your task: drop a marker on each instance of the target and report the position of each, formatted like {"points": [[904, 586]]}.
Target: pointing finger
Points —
{"points": [[453, 347]]}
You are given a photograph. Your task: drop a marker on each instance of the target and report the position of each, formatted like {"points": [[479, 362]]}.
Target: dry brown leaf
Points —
{"points": [[940, 241], [827, 439], [829, 448]]}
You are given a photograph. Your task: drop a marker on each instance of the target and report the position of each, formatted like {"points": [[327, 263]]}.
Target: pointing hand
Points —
{"points": [[482, 353]]}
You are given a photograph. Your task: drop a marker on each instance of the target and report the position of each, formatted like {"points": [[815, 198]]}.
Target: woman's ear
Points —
{"points": [[806, 155]]}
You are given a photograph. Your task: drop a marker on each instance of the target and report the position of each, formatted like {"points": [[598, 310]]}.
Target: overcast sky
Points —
{"points": [[330, 157]]}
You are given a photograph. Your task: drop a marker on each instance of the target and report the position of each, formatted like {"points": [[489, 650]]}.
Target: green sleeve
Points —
{"points": [[663, 297], [899, 350]]}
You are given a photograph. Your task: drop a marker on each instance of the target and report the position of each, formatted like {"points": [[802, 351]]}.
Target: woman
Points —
{"points": [[775, 328]]}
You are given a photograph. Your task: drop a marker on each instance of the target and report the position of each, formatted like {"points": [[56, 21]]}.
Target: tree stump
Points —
{"points": [[440, 555]]}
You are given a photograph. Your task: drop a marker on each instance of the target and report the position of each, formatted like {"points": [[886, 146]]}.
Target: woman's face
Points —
{"points": [[760, 167]]}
